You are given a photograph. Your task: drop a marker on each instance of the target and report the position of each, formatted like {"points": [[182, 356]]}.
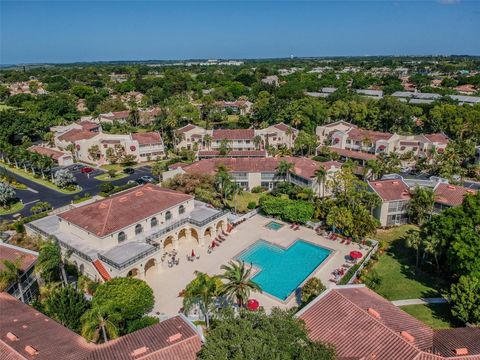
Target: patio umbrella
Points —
{"points": [[253, 304], [356, 254], [193, 253]]}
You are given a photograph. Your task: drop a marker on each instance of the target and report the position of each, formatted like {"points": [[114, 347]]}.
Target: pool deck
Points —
{"points": [[167, 283]]}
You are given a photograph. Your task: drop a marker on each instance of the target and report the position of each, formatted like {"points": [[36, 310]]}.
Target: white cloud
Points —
{"points": [[449, 2]]}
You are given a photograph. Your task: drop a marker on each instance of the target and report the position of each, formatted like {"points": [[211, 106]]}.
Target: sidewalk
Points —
{"points": [[421, 301]]}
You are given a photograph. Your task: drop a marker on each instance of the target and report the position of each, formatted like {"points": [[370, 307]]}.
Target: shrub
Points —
{"points": [[107, 187], [312, 288], [252, 205], [258, 189], [141, 323], [19, 227]]}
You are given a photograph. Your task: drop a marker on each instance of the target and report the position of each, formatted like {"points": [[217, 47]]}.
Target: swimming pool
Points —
{"points": [[283, 270], [273, 225]]}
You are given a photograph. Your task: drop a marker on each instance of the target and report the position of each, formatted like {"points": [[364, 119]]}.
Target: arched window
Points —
{"points": [[181, 209], [138, 229], [168, 215], [153, 222], [121, 237]]}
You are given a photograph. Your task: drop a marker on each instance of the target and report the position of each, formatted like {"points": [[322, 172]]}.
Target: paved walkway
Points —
{"points": [[420, 301]]}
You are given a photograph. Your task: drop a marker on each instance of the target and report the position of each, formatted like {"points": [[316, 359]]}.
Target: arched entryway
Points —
{"points": [[182, 235], [168, 243], [220, 226], [208, 234], [195, 236], [150, 266], [133, 273]]}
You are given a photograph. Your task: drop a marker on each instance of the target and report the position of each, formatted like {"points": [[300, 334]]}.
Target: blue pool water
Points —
{"points": [[273, 225], [283, 270]]}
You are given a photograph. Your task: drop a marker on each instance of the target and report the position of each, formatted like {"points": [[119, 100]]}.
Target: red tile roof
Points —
{"points": [[282, 127], [437, 138], [76, 134], [391, 190], [120, 114], [451, 195], [147, 138], [106, 216], [362, 134], [236, 134], [12, 253], [174, 338], [363, 325], [88, 125], [186, 128], [54, 154], [101, 270], [303, 167], [234, 153], [353, 154]]}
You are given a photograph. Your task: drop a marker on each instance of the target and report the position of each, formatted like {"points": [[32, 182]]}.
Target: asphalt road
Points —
{"points": [[37, 192]]}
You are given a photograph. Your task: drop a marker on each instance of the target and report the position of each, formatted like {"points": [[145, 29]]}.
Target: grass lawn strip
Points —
{"points": [[12, 209], [437, 316], [39, 181], [242, 200], [106, 177]]}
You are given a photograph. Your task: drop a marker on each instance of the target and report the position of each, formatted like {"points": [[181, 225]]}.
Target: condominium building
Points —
{"points": [[126, 234]]}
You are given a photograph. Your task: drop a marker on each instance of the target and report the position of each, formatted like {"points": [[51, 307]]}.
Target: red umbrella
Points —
{"points": [[253, 304], [193, 253], [356, 254]]}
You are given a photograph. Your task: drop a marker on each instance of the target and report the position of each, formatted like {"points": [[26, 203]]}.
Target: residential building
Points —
{"points": [[271, 80], [361, 324], [239, 107], [126, 234], [447, 195], [467, 89], [194, 137], [373, 94], [86, 136], [462, 99], [394, 195], [343, 136], [111, 117], [27, 287], [249, 173], [415, 97], [60, 157], [25, 333]]}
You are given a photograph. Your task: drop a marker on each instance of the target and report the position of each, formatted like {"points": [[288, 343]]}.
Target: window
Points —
{"points": [[121, 237], [168, 215], [153, 222], [138, 229], [181, 209]]}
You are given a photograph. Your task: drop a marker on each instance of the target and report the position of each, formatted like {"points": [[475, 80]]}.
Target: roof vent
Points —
{"points": [[139, 193], [470, 191], [461, 351], [31, 350], [123, 199], [374, 313], [407, 336], [175, 337], [139, 351], [378, 184], [12, 337], [451, 187], [395, 182], [24, 326], [103, 205]]}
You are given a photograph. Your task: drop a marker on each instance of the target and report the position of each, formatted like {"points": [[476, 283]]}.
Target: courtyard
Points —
{"points": [[169, 281]]}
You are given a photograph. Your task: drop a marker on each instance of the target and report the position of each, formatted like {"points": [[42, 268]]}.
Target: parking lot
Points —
{"points": [[37, 192]]}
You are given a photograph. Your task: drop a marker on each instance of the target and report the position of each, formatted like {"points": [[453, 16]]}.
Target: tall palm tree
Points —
{"points": [[208, 140], [202, 292], [284, 168], [12, 273], [257, 140], [100, 321], [321, 176], [238, 285], [420, 207], [50, 264], [415, 242]]}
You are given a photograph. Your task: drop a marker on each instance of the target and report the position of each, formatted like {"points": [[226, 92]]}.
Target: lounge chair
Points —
{"points": [[343, 240]]}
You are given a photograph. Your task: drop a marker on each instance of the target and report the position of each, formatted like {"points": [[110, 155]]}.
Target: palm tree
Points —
{"points": [[49, 264], [208, 140], [202, 291], [420, 207], [320, 176], [238, 285], [284, 168], [432, 246], [257, 140], [100, 320], [414, 241], [12, 273]]}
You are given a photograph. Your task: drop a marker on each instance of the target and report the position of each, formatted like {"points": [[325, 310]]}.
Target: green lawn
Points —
{"points": [[40, 181], [437, 316], [396, 268], [106, 177], [242, 200], [12, 209]]}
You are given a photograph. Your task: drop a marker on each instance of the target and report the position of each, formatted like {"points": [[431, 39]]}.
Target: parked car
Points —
{"points": [[140, 181], [86, 170], [148, 179], [132, 182], [76, 167], [128, 171]]}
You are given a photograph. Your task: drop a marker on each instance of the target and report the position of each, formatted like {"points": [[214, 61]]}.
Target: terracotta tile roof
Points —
{"points": [[171, 339], [362, 134], [353, 154], [101, 270], [12, 253], [186, 128], [303, 167], [234, 153], [147, 138], [120, 114], [466, 88], [282, 127], [451, 195], [88, 125], [106, 216], [236, 134], [54, 154], [76, 134], [390, 190], [437, 138], [446, 341], [32, 328]]}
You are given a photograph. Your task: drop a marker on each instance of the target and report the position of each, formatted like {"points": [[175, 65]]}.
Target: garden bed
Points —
{"points": [[106, 177], [12, 209]]}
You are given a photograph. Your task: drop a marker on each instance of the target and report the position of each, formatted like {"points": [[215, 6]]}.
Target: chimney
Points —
{"points": [[461, 351], [12, 337], [407, 336], [374, 313], [140, 351], [31, 350]]}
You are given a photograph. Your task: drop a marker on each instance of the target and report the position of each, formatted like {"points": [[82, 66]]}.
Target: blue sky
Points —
{"points": [[68, 31]]}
